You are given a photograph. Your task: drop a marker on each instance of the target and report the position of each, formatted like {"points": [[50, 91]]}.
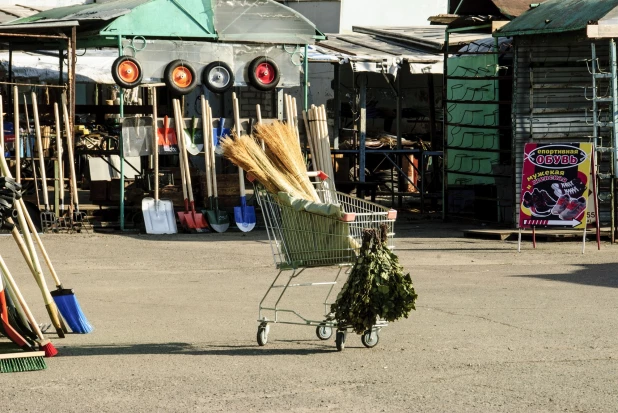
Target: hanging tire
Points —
{"points": [[218, 77], [127, 72], [180, 77], [264, 74]]}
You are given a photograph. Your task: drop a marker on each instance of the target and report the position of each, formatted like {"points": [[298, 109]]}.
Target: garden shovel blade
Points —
{"points": [[218, 220], [244, 216]]}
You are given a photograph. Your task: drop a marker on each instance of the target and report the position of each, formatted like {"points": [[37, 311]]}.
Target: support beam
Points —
{"points": [[121, 145], [362, 127], [400, 181], [337, 105]]}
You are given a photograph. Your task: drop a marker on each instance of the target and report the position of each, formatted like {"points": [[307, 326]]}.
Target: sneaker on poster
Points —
{"points": [[573, 209], [540, 200], [561, 205], [574, 188], [527, 200]]}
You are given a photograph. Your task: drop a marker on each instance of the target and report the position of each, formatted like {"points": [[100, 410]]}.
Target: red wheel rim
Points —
{"points": [[128, 71], [182, 77], [265, 73]]}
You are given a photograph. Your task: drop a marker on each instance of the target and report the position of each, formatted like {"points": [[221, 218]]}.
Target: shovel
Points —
{"points": [[48, 218], [219, 220], [243, 214], [192, 147], [158, 213], [192, 219]]}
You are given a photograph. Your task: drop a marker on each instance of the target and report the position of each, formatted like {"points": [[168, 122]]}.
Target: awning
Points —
{"points": [[94, 67], [370, 53]]}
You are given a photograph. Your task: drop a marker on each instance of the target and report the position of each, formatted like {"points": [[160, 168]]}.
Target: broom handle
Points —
{"points": [[39, 148], [295, 119], [70, 143], [20, 298], [155, 144], [207, 144], [179, 138], [241, 175], [60, 151]]}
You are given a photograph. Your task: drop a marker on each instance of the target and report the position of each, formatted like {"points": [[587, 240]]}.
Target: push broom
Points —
{"points": [[64, 298]]}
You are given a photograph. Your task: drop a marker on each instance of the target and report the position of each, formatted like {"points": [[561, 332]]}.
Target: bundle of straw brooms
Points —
{"points": [[281, 167]]}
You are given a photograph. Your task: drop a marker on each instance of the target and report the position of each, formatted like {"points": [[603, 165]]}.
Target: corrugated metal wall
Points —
{"points": [[552, 92]]}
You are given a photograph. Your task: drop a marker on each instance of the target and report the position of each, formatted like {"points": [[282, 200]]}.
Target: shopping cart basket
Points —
{"points": [[306, 235]]}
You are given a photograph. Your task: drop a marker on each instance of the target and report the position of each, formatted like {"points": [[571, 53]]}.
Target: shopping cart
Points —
{"points": [[304, 238]]}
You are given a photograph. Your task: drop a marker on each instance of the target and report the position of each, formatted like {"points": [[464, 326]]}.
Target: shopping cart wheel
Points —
{"points": [[340, 340], [262, 334], [370, 338], [324, 332]]}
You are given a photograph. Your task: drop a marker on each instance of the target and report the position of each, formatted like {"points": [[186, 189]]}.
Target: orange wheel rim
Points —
{"points": [[182, 77], [128, 71]]}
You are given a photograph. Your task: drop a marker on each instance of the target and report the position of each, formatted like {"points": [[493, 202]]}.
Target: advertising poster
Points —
{"points": [[555, 185]]}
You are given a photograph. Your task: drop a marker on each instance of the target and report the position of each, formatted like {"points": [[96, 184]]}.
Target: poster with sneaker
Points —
{"points": [[555, 185]]}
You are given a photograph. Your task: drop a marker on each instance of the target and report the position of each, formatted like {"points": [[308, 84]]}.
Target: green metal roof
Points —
{"points": [[557, 16], [226, 20]]}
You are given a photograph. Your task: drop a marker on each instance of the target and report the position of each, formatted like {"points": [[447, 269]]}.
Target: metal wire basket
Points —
{"points": [[300, 238]]}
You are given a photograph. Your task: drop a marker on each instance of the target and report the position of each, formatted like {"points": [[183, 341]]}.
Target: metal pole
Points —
{"points": [[337, 105], [400, 181], [444, 129], [363, 127], [306, 85], [121, 144], [614, 105]]}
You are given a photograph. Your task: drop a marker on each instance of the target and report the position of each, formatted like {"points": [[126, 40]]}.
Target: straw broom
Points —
{"points": [[245, 152], [284, 151]]}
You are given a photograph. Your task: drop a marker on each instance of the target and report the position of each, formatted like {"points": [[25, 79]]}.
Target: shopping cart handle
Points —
{"points": [[392, 214], [250, 177], [318, 174], [349, 217]]}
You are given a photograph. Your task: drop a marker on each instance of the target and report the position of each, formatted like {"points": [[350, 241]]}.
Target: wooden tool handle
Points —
{"points": [[241, 175], [155, 143], [70, 146], [213, 165], [179, 140], [60, 151], [207, 145], [39, 146]]}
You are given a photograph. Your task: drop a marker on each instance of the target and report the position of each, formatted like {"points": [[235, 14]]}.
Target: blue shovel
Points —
{"points": [[243, 215]]}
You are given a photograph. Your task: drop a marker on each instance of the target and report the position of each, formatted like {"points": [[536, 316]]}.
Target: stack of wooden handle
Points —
{"points": [[319, 142]]}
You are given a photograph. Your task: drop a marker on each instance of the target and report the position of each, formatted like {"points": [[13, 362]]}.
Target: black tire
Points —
{"points": [[123, 72], [180, 82], [340, 340], [218, 77], [264, 80], [262, 335], [370, 338], [323, 332]]}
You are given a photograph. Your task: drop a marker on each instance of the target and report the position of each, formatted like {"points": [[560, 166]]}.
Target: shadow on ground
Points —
{"points": [[599, 275], [190, 350]]}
